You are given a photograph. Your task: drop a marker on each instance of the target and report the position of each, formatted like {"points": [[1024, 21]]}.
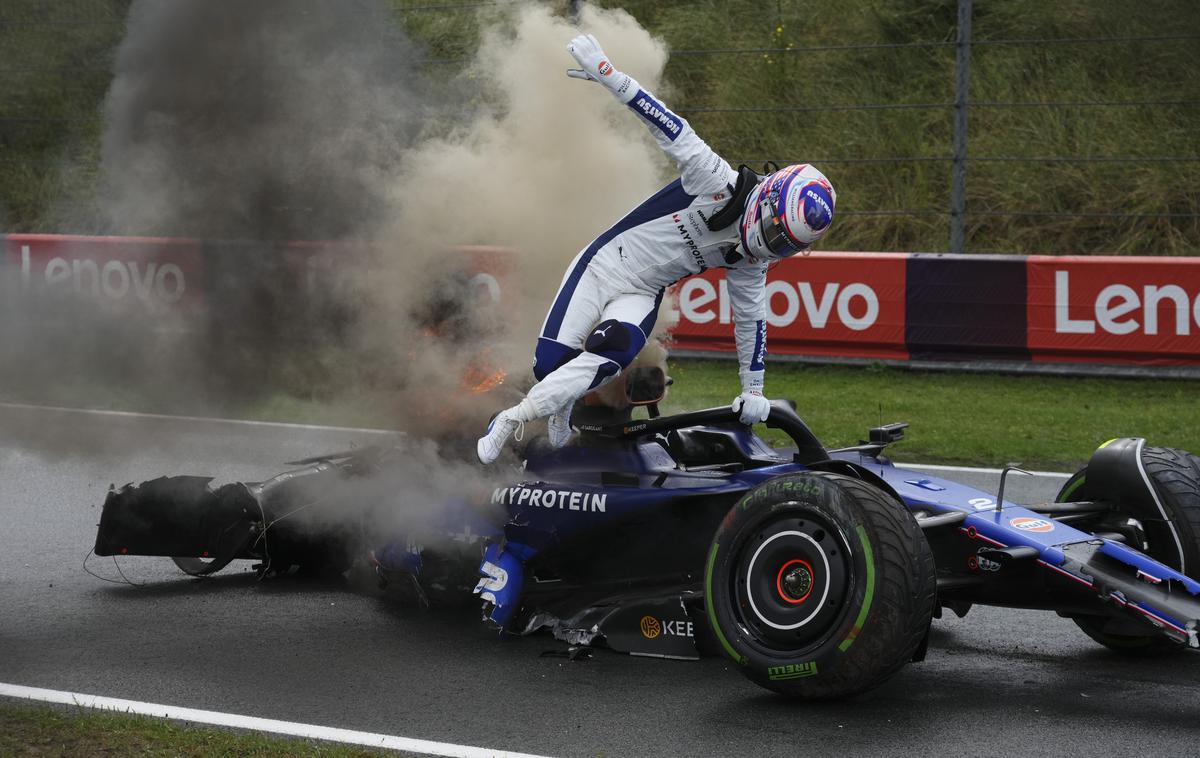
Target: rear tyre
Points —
{"points": [[1175, 476], [820, 585], [198, 566]]}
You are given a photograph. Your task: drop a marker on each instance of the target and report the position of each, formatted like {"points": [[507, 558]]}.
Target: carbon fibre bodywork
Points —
{"points": [[607, 539], [677, 477]]}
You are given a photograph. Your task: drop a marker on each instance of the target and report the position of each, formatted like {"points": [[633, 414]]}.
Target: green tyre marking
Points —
{"points": [[1066, 494], [792, 671], [712, 615], [870, 593]]}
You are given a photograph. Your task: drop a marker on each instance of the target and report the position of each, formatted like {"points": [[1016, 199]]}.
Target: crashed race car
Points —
{"points": [[817, 571]]}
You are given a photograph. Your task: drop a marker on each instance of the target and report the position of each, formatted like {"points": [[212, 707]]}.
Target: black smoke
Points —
{"points": [[246, 125], [250, 124], [263, 120]]}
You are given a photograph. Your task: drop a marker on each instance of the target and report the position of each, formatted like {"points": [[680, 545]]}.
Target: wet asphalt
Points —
{"points": [[998, 682]]}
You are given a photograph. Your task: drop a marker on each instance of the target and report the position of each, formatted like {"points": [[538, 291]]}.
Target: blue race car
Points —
{"points": [[817, 571]]}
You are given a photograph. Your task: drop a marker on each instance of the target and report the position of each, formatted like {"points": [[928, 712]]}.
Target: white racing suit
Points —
{"points": [[608, 301]]}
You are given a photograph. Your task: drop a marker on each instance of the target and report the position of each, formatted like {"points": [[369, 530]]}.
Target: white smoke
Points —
{"points": [[542, 165]]}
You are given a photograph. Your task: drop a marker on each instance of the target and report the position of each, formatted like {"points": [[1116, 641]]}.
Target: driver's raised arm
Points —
{"points": [[701, 170]]}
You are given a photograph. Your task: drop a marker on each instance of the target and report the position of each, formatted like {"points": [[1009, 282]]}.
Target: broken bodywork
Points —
{"points": [[608, 540]]}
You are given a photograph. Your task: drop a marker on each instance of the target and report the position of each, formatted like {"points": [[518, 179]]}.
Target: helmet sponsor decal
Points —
{"points": [[1027, 524], [818, 207]]}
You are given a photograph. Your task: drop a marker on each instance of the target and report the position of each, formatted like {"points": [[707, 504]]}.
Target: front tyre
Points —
{"points": [[1174, 476], [820, 585]]}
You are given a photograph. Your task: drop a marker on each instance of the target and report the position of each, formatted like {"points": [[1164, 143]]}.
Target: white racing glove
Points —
{"points": [[595, 65], [753, 406]]}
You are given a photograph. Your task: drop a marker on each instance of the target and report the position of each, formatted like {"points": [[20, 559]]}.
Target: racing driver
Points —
{"points": [[712, 216]]}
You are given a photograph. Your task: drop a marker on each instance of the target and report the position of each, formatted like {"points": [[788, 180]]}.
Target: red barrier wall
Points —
{"points": [[161, 271], [149, 272], [829, 304], [1114, 309], [1100, 309]]}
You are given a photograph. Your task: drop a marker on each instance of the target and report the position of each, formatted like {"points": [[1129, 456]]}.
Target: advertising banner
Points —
{"points": [[823, 304], [886, 306], [1114, 309], [143, 273], [966, 307]]}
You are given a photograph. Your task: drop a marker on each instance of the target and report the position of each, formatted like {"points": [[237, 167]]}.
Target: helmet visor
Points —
{"points": [[774, 233]]}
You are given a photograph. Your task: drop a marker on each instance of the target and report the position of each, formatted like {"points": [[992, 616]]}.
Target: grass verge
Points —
{"points": [[1045, 422], [29, 730]]}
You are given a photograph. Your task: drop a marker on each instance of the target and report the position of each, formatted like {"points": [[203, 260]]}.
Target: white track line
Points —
{"points": [[308, 731], [975, 470], [206, 419]]}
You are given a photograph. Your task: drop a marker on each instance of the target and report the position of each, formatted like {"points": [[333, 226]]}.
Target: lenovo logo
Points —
{"points": [[853, 306], [1122, 309], [114, 278]]}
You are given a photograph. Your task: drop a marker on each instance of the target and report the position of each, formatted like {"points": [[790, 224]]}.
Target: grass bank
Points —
{"points": [[1045, 422], [27, 730], [1079, 146]]}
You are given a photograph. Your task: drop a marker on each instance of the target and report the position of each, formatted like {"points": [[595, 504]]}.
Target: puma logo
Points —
{"points": [[604, 332]]}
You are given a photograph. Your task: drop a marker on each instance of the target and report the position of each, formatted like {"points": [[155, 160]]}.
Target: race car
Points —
{"points": [[818, 572]]}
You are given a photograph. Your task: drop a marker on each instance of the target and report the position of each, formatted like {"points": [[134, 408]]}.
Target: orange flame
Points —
{"points": [[478, 383], [479, 376]]}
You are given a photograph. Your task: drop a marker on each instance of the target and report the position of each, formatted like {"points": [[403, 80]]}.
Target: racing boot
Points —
{"points": [[558, 426], [506, 423]]}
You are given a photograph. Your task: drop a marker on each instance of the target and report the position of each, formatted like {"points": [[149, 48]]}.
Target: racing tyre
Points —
{"points": [[819, 585], [199, 566], [1175, 476]]}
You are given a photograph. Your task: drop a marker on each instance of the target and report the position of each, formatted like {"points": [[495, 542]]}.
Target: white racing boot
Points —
{"points": [[506, 423], [558, 426]]}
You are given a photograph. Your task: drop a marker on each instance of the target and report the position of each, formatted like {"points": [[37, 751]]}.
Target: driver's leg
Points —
{"points": [[626, 321], [578, 305], [584, 358]]}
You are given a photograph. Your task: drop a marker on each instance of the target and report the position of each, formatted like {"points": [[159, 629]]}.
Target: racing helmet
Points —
{"points": [[787, 212]]}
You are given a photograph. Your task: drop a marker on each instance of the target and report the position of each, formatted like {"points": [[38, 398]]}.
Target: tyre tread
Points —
{"points": [[1175, 475], [905, 589]]}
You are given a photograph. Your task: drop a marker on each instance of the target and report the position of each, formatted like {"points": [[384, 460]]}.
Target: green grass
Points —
{"points": [[44, 731], [1050, 74], [1043, 422], [57, 69], [54, 73]]}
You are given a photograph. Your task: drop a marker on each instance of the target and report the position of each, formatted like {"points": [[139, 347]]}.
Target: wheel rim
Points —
{"points": [[200, 566], [794, 582], [792, 577]]}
